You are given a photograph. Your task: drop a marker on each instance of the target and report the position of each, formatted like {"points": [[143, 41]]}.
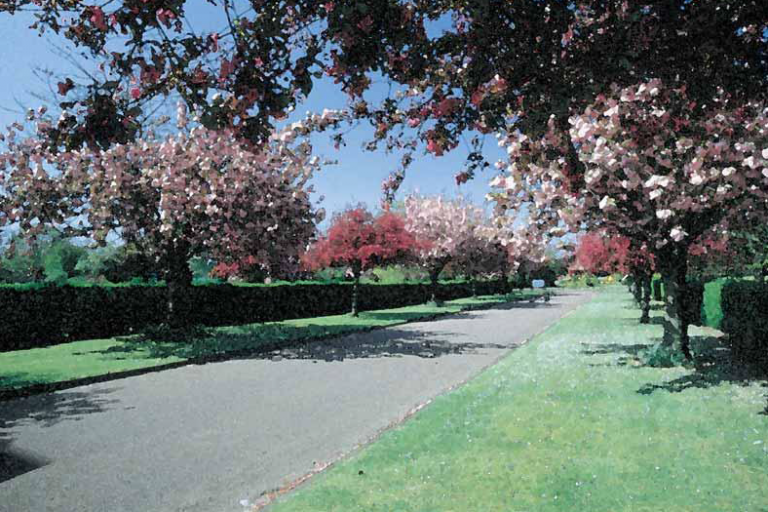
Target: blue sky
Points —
{"points": [[356, 178]]}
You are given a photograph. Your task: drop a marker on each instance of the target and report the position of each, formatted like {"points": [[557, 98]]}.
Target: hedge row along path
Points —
{"points": [[208, 437], [67, 365]]}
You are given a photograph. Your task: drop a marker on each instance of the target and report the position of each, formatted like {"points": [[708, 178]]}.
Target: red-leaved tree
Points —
{"points": [[359, 240], [592, 254]]}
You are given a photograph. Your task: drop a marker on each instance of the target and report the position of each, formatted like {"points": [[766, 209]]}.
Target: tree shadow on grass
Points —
{"points": [[45, 411], [714, 363], [593, 349]]}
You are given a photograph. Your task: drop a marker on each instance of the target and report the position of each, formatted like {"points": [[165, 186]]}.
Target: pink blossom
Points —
{"points": [[165, 15], [477, 97], [65, 86], [434, 147], [365, 24], [97, 18], [227, 66], [677, 234]]}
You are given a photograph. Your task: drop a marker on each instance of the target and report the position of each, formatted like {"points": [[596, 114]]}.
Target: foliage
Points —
{"points": [[44, 315], [247, 269], [398, 274], [118, 264], [486, 63], [593, 255], [712, 307], [201, 268], [443, 224], [50, 258], [199, 192], [658, 170], [581, 280], [745, 317], [361, 241], [655, 173], [481, 255]]}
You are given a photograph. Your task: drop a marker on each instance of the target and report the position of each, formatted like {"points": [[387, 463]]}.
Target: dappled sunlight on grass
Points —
{"points": [[563, 424]]}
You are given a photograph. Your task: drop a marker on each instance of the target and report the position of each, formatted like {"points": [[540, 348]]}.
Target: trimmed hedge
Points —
{"points": [[58, 314], [745, 317], [737, 307]]}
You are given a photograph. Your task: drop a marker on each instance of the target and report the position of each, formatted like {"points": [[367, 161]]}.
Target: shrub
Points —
{"points": [[36, 316], [745, 317]]}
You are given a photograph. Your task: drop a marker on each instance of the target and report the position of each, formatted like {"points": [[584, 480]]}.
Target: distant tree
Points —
{"points": [[481, 254], [444, 225], [49, 257], [592, 254], [361, 241]]}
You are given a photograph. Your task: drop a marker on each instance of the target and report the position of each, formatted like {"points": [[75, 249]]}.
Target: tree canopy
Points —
{"points": [[458, 67]]}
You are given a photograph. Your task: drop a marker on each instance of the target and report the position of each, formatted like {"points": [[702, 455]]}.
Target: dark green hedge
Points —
{"points": [[745, 317], [57, 314]]}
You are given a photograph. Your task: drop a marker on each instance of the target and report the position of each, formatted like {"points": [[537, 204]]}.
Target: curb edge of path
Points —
{"points": [[269, 497]]}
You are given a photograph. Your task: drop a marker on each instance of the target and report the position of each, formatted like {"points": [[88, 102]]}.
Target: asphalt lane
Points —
{"points": [[209, 437]]}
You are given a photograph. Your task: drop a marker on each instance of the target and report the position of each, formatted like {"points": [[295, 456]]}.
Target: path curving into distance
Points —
{"points": [[204, 438]]}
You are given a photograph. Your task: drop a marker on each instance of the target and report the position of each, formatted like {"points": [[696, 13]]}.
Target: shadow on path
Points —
{"points": [[46, 411], [324, 340], [390, 342]]}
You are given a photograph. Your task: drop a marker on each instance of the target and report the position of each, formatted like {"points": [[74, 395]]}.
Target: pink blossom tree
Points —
{"points": [[658, 171], [197, 192], [443, 224], [483, 253]]}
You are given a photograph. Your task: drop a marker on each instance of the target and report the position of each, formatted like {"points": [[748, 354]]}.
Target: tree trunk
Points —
{"points": [[355, 293], [473, 284], [434, 273], [637, 287], [504, 284], [673, 273], [178, 282], [646, 285]]}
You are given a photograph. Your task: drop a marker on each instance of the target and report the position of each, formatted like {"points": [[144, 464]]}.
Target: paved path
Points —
{"points": [[205, 437]]}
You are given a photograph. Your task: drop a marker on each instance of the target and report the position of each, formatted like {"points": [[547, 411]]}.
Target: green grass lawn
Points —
{"points": [[91, 358], [571, 421]]}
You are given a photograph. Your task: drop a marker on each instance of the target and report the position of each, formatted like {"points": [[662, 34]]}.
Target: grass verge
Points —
{"points": [[39, 369], [571, 421]]}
